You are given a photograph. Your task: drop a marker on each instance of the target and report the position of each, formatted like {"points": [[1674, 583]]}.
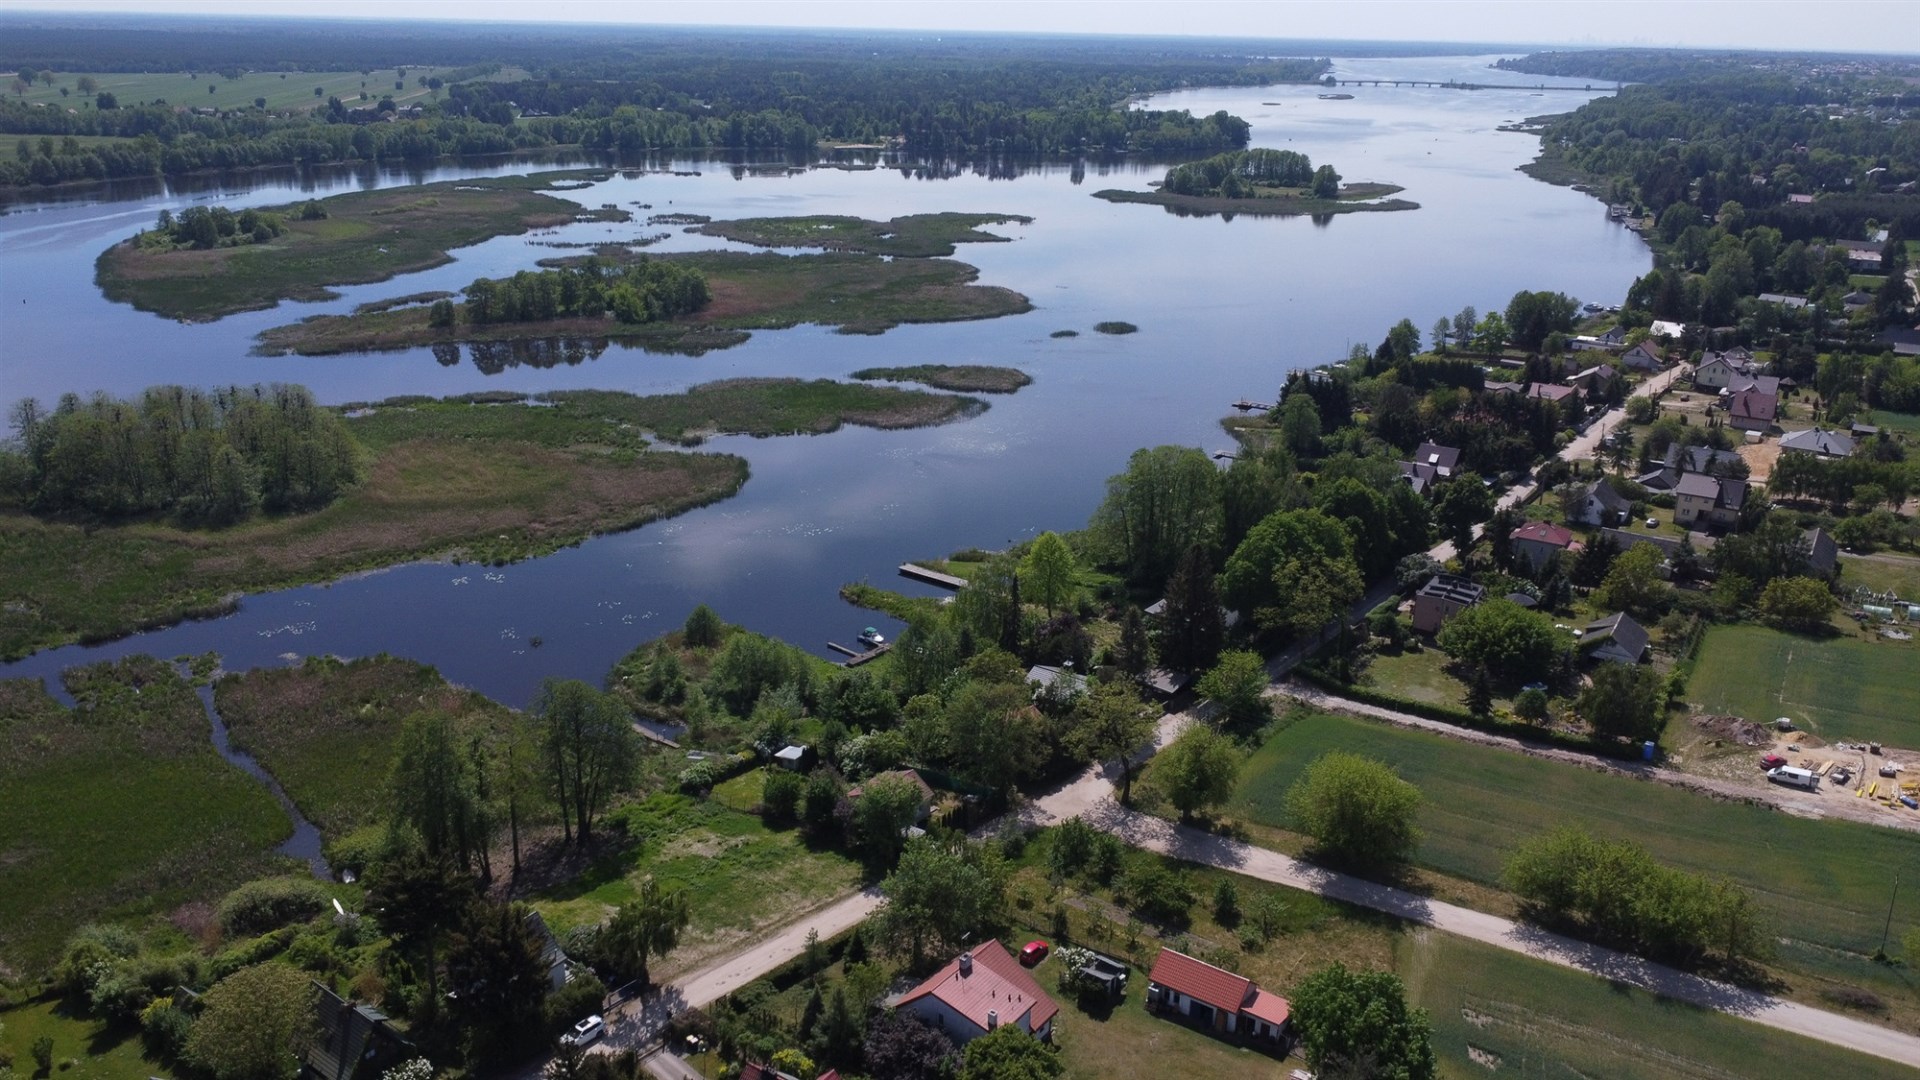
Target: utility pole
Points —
{"points": [[1888, 930]]}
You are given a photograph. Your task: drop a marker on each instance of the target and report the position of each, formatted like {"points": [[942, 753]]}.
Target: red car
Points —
{"points": [[1771, 761], [1033, 953]]}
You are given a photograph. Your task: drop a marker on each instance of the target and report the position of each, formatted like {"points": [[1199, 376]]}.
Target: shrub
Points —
{"points": [[780, 799], [1355, 808], [163, 1029], [260, 906], [581, 996], [1158, 894]]}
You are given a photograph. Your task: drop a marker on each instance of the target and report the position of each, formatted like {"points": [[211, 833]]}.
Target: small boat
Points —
{"points": [[872, 637]]}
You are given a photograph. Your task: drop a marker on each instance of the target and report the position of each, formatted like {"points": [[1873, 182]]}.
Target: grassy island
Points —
{"points": [[351, 239], [491, 479], [966, 378], [858, 293], [1278, 183], [909, 236], [1270, 202]]}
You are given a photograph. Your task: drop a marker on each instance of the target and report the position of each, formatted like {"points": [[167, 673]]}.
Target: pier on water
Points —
{"points": [[931, 577]]}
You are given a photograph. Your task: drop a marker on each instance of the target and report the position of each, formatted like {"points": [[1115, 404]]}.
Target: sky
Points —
{"points": [[1827, 25]]}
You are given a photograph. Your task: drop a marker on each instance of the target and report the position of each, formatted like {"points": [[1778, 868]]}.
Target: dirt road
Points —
{"points": [[1090, 797]]}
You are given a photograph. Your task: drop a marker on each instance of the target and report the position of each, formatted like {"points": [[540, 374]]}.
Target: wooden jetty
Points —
{"points": [[932, 577], [1249, 406], [855, 657]]}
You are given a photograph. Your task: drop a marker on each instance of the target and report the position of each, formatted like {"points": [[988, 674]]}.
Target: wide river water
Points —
{"points": [[1225, 310]]}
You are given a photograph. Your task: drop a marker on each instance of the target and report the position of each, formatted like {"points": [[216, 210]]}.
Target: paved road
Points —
{"points": [[1090, 797], [1825, 802]]}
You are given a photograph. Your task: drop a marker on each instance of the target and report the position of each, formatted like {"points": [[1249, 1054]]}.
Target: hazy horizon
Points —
{"points": [[1853, 26]]}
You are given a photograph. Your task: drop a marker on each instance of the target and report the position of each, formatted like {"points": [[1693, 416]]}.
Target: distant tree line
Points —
{"points": [[204, 456], [730, 92], [645, 291]]}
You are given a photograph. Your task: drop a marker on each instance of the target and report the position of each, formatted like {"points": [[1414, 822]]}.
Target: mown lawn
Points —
{"points": [[1838, 688], [1883, 571], [120, 809], [99, 1051], [1824, 884], [1495, 1012], [741, 877]]}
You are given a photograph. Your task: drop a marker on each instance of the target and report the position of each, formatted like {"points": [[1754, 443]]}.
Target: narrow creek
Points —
{"points": [[305, 842]]}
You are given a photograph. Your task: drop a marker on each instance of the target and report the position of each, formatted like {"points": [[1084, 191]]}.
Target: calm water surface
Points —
{"points": [[1225, 310]]}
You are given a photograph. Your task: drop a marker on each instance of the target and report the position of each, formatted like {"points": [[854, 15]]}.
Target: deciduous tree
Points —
{"points": [[255, 1024], [1197, 771], [944, 892], [1357, 1024], [1624, 701], [1048, 572], [647, 926], [1110, 724], [1238, 685], [1356, 809], [591, 750]]}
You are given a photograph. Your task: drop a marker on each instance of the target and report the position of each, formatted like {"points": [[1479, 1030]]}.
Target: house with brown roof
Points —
{"points": [[1538, 541], [1215, 999], [1701, 500], [1752, 410], [978, 991], [1549, 392]]}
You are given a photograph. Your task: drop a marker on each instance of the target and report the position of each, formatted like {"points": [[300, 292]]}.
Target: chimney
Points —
{"points": [[993, 1019], [966, 963]]}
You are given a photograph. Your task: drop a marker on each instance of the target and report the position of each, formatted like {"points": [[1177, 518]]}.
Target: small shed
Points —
{"points": [[793, 757]]}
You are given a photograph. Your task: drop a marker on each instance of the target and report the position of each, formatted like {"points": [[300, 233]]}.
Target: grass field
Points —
{"points": [[1838, 688], [911, 236], [1824, 884], [1902, 423], [326, 729], [858, 294], [282, 89], [1883, 571], [740, 875], [100, 1051], [119, 809], [1497, 1013], [366, 236]]}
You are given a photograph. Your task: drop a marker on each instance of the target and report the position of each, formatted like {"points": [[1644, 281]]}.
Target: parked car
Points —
{"points": [[1033, 953], [1771, 761], [586, 1031]]}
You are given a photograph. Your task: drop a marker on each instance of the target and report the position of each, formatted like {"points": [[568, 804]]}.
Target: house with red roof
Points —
{"points": [[978, 991], [1538, 541], [1215, 999]]}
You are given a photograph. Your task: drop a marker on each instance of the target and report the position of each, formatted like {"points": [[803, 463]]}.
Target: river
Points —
{"points": [[1225, 310]]}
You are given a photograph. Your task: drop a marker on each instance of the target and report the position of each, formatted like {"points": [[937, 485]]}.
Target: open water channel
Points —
{"points": [[1225, 310]]}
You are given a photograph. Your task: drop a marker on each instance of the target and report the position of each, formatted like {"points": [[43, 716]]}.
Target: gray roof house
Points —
{"points": [[1642, 357], [1431, 464], [350, 1040], [1616, 638], [1818, 441], [1823, 555], [1601, 505]]}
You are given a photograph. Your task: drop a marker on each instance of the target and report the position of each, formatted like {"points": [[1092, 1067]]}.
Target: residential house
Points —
{"points": [[1857, 300], [1863, 431], [1046, 678], [1441, 598], [1593, 380], [912, 776], [1431, 464], [753, 1070], [1863, 256], [1616, 638], [1599, 504], [1550, 392], [1904, 340], [1493, 387], [1667, 329], [1215, 999], [1700, 499], [1538, 541], [1680, 460], [1642, 357], [1668, 546], [1798, 199], [1717, 370], [1752, 410], [1785, 300], [559, 968], [1823, 555], [1612, 338], [1165, 683], [351, 1040], [978, 991], [1819, 442]]}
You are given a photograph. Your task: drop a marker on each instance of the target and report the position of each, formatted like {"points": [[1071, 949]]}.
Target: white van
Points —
{"points": [[1794, 777]]}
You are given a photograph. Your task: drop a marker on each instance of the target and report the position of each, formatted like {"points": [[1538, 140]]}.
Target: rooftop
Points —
{"points": [[1200, 981], [996, 983], [1453, 587], [1544, 532]]}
